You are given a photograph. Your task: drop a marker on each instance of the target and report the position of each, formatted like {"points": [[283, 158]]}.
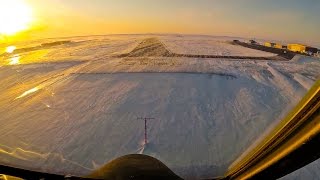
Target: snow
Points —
{"points": [[73, 108], [209, 46], [310, 172]]}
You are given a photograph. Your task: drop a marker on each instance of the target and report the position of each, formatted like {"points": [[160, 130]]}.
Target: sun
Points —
{"points": [[15, 16]]}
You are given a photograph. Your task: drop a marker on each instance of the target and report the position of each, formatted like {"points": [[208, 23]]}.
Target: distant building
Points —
{"points": [[302, 49], [269, 44], [297, 48], [280, 46]]}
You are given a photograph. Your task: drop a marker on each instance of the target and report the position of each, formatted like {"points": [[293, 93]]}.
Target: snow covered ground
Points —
{"points": [[74, 107], [309, 172], [209, 46]]}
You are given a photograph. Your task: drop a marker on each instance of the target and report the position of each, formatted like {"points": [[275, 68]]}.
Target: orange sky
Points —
{"points": [[280, 20]]}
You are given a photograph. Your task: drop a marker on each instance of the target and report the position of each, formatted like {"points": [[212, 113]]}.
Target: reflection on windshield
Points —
{"points": [[30, 91], [15, 60]]}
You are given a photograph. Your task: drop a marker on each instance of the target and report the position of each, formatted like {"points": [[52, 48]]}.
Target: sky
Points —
{"points": [[289, 20]]}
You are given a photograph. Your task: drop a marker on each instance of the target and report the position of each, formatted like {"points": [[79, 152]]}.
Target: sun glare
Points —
{"points": [[10, 49], [15, 16]]}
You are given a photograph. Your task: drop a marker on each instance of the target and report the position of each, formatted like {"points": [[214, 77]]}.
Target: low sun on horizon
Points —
{"points": [[16, 16]]}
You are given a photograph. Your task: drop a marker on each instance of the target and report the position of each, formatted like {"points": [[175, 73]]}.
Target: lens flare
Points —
{"points": [[10, 49]]}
